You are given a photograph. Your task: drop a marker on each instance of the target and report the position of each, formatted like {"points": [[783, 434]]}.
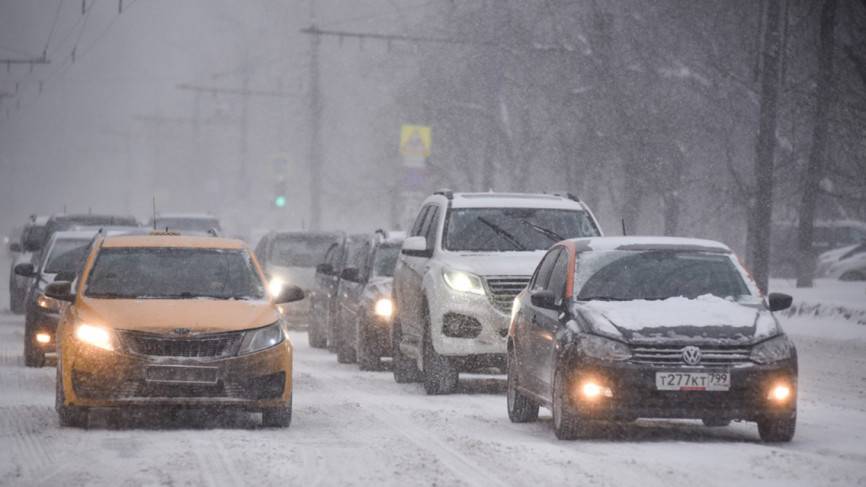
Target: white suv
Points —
{"points": [[466, 258]]}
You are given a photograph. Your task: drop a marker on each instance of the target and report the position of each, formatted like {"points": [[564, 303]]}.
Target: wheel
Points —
{"points": [[716, 422], [777, 429], [315, 337], [277, 418], [566, 423], [405, 368], [345, 351], [69, 416], [520, 408], [367, 358], [33, 356], [853, 276], [440, 375]]}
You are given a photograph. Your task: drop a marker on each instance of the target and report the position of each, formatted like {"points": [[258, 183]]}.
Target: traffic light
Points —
{"points": [[281, 189]]}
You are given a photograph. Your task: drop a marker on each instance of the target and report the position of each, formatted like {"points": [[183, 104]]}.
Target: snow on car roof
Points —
{"points": [[513, 200], [649, 243], [189, 216], [172, 240]]}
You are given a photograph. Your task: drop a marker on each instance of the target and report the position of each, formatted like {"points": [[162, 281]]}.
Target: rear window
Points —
{"points": [[174, 273]]}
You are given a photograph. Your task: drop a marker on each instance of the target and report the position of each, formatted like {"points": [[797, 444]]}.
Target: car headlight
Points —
{"points": [[275, 286], [772, 350], [47, 303], [97, 336], [262, 338], [463, 282], [603, 348], [383, 308]]}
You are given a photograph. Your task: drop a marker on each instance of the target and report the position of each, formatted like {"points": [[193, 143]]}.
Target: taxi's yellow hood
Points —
{"points": [[164, 315]]}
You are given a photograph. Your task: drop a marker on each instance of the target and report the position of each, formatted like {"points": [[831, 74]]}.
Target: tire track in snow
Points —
{"points": [[216, 469], [23, 423]]}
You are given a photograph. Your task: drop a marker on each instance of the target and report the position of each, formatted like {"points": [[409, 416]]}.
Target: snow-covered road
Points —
{"points": [[360, 428]]}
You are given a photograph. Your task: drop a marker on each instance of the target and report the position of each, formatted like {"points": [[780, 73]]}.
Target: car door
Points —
{"points": [[407, 281], [419, 267], [526, 330], [544, 325], [323, 283], [350, 291]]}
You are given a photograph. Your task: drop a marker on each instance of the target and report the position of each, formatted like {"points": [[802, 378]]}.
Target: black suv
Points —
{"points": [[652, 327]]}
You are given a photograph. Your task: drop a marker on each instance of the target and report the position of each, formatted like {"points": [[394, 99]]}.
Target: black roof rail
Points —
{"points": [[213, 232], [565, 194], [447, 193]]}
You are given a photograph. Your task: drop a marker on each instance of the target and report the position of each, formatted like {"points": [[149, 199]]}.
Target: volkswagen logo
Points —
{"points": [[691, 355], [187, 331]]}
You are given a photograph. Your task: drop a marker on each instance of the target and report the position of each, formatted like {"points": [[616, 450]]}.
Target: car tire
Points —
{"points": [[777, 429], [405, 368], [33, 357], [716, 422], [345, 351], [567, 424], [315, 335], [852, 276], [68, 416], [367, 358], [521, 409], [277, 417], [440, 374]]}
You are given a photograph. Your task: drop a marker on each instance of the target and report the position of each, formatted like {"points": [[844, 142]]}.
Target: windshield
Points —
{"points": [[630, 275], [66, 255], [189, 224], [385, 261], [300, 250], [513, 229], [174, 273]]}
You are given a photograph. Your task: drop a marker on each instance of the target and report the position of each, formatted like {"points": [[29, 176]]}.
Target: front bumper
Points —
{"points": [[94, 377], [445, 304], [634, 393]]}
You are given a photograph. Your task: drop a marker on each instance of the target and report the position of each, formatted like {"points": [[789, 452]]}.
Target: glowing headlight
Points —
{"points": [[773, 350], [463, 282], [262, 338], [603, 348], [95, 335], [275, 286], [48, 304], [384, 308]]}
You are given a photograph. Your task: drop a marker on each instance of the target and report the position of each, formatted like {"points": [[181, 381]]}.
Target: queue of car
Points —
{"points": [[591, 327]]}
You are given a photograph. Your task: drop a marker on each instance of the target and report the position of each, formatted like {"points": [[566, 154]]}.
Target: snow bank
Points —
{"points": [[829, 298]]}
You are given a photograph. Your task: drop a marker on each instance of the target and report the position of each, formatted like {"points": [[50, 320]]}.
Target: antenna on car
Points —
{"points": [[624, 233]]}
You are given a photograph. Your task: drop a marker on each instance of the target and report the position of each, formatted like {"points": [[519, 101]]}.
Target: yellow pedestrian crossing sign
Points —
{"points": [[415, 140]]}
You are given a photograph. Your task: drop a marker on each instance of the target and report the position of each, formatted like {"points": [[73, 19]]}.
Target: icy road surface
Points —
{"points": [[354, 428]]}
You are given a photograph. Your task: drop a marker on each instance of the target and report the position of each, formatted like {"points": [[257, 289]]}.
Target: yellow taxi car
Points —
{"points": [[170, 320]]}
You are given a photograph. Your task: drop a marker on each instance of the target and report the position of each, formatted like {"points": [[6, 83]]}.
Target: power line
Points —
{"points": [[342, 34], [53, 27]]}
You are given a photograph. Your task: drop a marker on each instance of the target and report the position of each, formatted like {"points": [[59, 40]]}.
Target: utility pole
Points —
{"points": [[315, 155]]}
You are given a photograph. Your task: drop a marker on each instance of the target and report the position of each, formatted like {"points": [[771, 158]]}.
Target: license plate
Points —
{"points": [[170, 373], [693, 381]]}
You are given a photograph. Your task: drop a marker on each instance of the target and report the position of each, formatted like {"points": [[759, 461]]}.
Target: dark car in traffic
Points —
{"points": [[365, 304], [24, 250], [649, 327]]}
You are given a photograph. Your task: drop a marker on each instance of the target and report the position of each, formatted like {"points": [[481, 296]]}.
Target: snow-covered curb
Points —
{"points": [[829, 298], [821, 310]]}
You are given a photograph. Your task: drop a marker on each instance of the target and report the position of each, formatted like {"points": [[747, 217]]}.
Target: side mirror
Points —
{"points": [[25, 269], [14, 247], [351, 274], [290, 294], [324, 268], [416, 247], [779, 301], [60, 290], [544, 299]]}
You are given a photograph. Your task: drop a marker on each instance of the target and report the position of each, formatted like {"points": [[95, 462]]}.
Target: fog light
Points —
{"points": [[779, 393], [43, 338], [592, 390]]}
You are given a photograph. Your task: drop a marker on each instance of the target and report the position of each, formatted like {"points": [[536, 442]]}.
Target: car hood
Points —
{"points": [[303, 277], [706, 319], [164, 315], [498, 263]]}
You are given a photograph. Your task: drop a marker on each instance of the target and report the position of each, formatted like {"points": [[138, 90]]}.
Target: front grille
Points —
{"points": [[710, 356], [504, 289], [91, 386], [202, 346]]}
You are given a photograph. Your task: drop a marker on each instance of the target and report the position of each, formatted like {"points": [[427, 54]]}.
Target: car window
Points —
{"points": [[559, 275], [298, 250], [542, 274], [65, 255], [514, 229], [419, 222], [432, 226]]}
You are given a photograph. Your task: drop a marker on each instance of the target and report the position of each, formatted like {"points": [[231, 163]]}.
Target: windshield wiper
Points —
{"points": [[501, 231], [601, 298], [544, 231]]}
